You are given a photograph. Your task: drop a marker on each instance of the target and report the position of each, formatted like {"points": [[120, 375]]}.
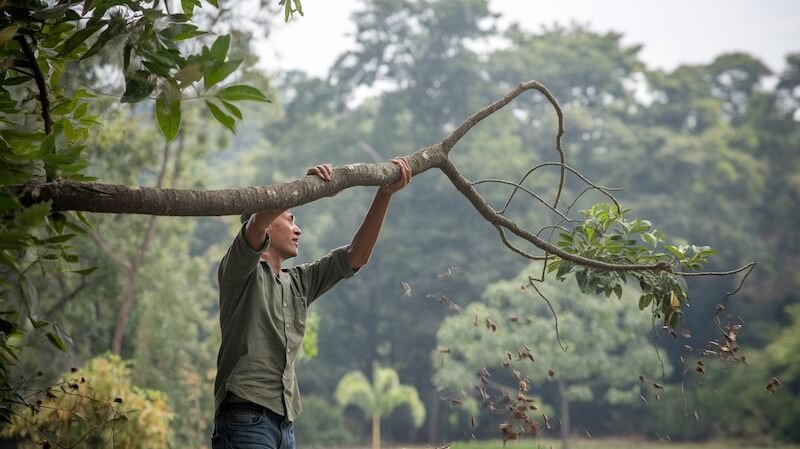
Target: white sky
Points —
{"points": [[672, 32]]}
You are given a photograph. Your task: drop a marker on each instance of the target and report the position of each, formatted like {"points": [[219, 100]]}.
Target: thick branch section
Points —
{"points": [[121, 199]]}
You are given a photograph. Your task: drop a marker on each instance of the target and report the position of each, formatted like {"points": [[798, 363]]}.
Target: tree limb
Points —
{"points": [[40, 84]]}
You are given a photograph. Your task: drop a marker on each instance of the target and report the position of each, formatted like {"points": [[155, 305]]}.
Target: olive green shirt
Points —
{"points": [[263, 319]]}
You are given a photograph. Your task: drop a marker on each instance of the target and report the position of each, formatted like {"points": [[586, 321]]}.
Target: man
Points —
{"points": [[263, 317]]}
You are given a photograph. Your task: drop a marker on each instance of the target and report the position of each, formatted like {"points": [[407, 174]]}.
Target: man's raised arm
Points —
{"points": [[255, 233], [364, 239]]}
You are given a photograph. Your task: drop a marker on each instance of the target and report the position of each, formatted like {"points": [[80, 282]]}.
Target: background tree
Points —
{"points": [[379, 397], [603, 348]]}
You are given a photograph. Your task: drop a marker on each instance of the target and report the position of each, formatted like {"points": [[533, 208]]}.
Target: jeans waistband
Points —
{"points": [[227, 406]]}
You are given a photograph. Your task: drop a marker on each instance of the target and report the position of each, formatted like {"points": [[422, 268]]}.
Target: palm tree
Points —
{"points": [[379, 398]]}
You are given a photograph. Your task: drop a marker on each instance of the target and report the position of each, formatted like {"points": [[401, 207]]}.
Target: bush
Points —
{"points": [[95, 406], [321, 423]]}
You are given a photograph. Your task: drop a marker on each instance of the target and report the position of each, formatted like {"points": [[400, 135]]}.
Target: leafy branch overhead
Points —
{"points": [[44, 188]]}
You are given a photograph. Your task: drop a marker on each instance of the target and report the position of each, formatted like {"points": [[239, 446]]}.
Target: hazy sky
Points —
{"points": [[672, 32]]}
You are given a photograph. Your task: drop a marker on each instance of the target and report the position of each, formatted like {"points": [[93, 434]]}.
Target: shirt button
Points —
{"points": [[284, 304], [287, 350]]}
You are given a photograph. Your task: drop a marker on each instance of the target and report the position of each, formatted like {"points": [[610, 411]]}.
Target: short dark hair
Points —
{"points": [[245, 217]]}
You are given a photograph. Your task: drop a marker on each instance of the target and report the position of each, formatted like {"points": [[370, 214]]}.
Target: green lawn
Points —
{"points": [[606, 443], [614, 444]]}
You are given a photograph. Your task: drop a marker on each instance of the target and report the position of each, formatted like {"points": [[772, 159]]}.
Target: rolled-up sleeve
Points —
{"points": [[321, 275], [240, 260]]}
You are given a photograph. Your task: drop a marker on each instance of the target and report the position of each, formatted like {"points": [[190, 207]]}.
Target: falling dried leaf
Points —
{"points": [[551, 373], [406, 289], [674, 301], [658, 386], [443, 350]]}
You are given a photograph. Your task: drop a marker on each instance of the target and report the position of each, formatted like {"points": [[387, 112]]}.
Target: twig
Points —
{"points": [[563, 166], [513, 248], [40, 84], [552, 310], [526, 190]]}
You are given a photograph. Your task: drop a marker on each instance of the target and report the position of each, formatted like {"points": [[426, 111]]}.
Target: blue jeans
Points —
{"points": [[249, 426]]}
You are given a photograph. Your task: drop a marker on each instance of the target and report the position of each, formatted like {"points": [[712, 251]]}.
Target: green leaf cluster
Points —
{"points": [[607, 235]]}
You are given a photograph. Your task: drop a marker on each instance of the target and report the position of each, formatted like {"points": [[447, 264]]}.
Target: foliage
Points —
{"points": [[98, 406], [46, 121], [322, 424], [602, 350], [605, 235]]}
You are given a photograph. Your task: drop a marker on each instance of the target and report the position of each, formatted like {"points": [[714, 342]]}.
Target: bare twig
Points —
{"points": [[604, 190], [526, 190], [514, 248], [532, 283]]}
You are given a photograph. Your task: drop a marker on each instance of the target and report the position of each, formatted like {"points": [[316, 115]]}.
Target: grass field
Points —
{"points": [[603, 444]]}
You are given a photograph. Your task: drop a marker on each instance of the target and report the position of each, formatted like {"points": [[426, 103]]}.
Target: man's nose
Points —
{"points": [[297, 230]]}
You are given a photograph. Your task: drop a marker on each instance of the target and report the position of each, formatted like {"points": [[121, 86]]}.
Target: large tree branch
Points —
{"points": [[115, 198]]}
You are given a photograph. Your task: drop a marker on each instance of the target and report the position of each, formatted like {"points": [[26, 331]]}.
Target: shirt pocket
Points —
{"points": [[300, 305]]}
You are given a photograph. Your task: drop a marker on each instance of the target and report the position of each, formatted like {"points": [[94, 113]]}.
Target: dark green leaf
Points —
{"points": [[15, 80], [644, 301], [232, 109], [115, 29], [137, 88], [8, 202], [57, 341], [33, 215], [80, 36], [225, 119], [220, 72], [181, 31], [241, 92], [168, 113], [85, 271], [58, 239], [219, 49]]}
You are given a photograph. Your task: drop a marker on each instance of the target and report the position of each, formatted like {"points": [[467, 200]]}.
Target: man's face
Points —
{"points": [[284, 236]]}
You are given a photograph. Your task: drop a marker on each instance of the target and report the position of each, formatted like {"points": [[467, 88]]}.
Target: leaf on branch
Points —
{"points": [[223, 118], [8, 33], [80, 37], [220, 47], [137, 87], [32, 216], [220, 72], [168, 112], [240, 92]]}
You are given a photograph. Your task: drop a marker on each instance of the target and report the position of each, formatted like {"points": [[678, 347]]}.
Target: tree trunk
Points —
{"points": [[128, 297], [562, 392], [376, 432]]}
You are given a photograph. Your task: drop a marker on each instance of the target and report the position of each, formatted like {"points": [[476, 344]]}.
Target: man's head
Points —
{"points": [[284, 236]]}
